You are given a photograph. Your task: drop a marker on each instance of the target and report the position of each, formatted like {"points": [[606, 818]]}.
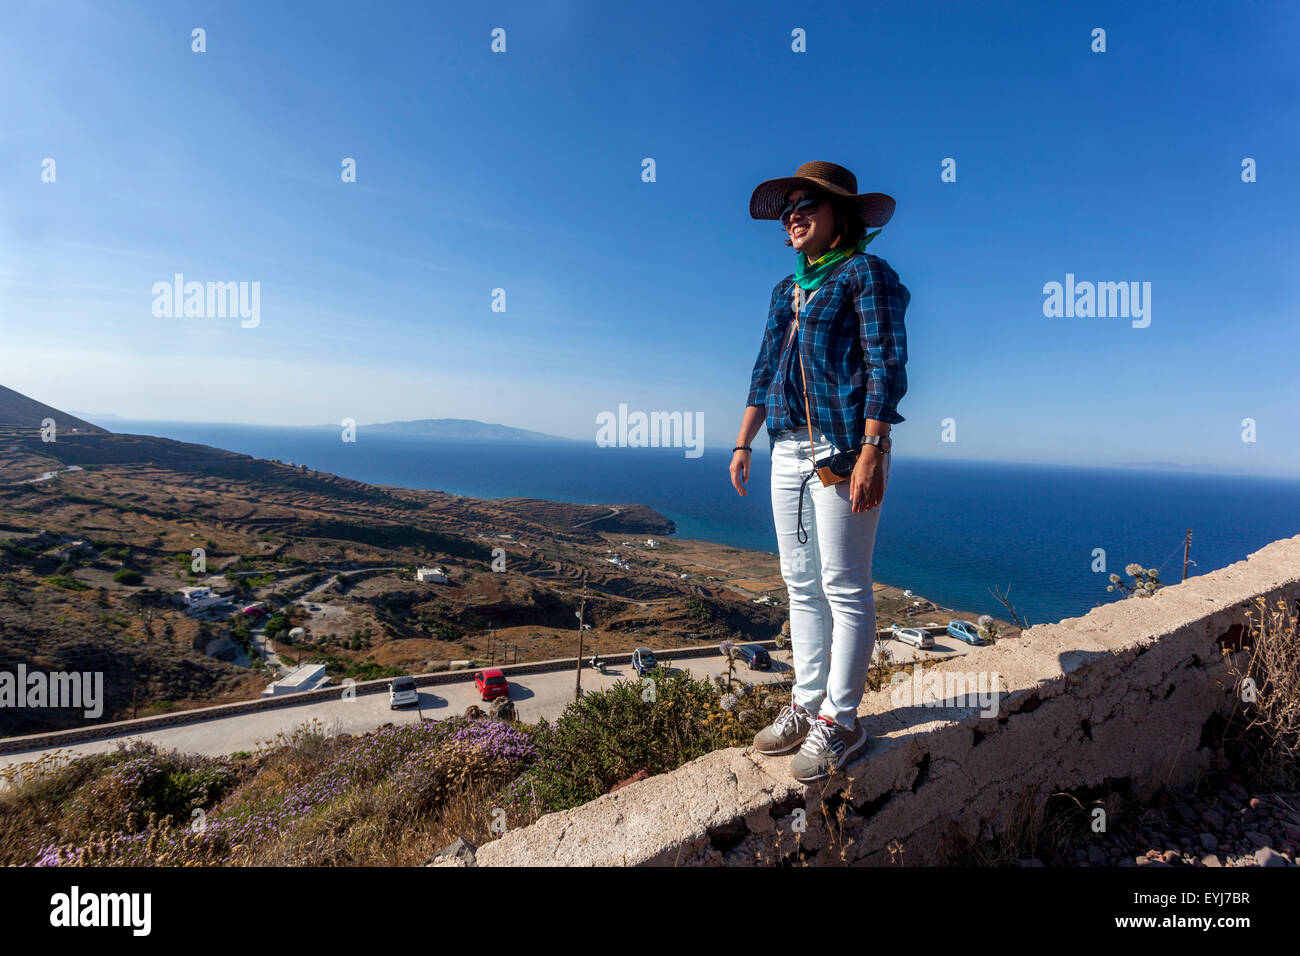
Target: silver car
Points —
{"points": [[915, 637]]}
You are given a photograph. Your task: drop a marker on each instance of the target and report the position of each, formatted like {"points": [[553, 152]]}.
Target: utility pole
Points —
{"points": [[577, 687], [1187, 546]]}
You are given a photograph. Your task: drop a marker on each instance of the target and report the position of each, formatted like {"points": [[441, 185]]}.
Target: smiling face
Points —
{"points": [[810, 230]]}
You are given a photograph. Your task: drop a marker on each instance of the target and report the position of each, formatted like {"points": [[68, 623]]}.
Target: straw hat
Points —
{"points": [[769, 199]]}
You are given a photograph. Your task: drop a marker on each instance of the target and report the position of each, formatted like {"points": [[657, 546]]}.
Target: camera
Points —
{"points": [[836, 468]]}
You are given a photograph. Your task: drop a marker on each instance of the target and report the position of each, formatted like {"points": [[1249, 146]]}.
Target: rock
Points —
{"points": [[1031, 861], [1210, 860], [1097, 856], [639, 775], [1267, 857], [1209, 842], [1257, 838], [1185, 811], [458, 849], [1212, 817]]}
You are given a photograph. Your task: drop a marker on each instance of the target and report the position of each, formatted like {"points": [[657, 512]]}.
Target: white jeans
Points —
{"points": [[832, 608]]}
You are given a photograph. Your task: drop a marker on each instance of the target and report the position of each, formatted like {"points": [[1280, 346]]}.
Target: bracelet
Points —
{"points": [[741, 448]]}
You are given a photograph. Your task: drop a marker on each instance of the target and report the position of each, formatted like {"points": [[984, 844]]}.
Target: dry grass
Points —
{"points": [[1267, 675]]}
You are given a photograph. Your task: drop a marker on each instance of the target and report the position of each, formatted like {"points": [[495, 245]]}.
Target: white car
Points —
{"points": [[915, 637], [402, 692]]}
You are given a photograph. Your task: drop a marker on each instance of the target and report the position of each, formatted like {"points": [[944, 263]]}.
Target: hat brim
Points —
{"points": [[768, 200]]}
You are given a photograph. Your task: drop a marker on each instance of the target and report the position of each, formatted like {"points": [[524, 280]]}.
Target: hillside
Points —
{"points": [[17, 411], [334, 556], [98, 533]]}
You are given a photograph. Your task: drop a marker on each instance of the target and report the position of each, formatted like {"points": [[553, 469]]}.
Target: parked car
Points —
{"points": [[755, 656], [643, 661], [965, 631], [915, 637], [402, 692], [491, 684]]}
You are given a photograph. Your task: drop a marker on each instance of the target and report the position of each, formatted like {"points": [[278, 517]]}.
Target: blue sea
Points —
{"points": [[949, 530]]}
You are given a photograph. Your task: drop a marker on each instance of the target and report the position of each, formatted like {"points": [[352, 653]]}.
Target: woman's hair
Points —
{"points": [[848, 221]]}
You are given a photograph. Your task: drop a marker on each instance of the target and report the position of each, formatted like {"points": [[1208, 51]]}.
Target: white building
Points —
{"points": [[199, 597], [650, 543], [434, 575], [306, 677]]}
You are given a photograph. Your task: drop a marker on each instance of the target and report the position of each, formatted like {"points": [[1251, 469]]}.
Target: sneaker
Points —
{"points": [[785, 733], [827, 748]]}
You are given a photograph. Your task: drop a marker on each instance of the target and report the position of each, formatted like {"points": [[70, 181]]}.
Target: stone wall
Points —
{"points": [[1123, 693]]}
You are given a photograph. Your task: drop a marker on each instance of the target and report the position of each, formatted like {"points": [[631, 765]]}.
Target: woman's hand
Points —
{"points": [[867, 483], [740, 471]]}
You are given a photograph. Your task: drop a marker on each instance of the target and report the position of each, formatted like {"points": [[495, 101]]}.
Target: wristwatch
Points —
{"points": [[880, 441]]}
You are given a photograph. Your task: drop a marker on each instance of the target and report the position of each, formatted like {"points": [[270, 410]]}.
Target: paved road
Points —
{"points": [[535, 696]]}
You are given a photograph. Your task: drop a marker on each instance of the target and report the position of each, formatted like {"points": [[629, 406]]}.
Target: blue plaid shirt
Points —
{"points": [[854, 351]]}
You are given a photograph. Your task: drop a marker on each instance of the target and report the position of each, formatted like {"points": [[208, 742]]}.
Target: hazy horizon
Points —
{"points": [[760, 446]]}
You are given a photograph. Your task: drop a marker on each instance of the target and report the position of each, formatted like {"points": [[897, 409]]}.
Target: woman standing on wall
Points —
{"points": [[827, 381]]}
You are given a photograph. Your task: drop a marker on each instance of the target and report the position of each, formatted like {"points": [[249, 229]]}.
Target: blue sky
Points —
{"points": [[522, 171]]}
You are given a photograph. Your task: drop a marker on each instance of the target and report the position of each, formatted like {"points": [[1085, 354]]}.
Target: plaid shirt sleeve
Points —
{"points": [[769, 351], [880, 302]]}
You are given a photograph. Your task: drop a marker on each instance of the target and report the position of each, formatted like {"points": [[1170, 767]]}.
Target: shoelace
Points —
{"points": [[819, 737], [784, 719]]}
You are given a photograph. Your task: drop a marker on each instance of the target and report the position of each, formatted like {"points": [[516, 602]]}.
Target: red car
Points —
{"points": [[491, 684]]}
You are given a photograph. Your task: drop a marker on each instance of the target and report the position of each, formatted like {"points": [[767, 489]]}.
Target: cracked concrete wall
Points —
{"points": [[1121, 693]]}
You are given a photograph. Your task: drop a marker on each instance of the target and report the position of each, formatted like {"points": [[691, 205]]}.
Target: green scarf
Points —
{"points": [[810, 275]]}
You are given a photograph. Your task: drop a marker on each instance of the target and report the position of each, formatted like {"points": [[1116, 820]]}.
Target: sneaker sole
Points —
{"points": [[783, 751], [843, 762]]}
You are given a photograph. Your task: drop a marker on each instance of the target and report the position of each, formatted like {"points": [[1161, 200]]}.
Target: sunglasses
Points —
{"points": [[807, 204]]}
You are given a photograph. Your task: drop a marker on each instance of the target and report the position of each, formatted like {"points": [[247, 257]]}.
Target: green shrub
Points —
{"points": [[67, 582], [128, 576], [277, 626], [607, 736]]}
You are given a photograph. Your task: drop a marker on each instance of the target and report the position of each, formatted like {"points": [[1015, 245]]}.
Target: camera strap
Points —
{"points": [[801, 533], [821, 473], [807, 410]]}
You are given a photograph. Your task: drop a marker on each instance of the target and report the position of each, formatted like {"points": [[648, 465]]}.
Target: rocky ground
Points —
{"points": [[1230, 824]]}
